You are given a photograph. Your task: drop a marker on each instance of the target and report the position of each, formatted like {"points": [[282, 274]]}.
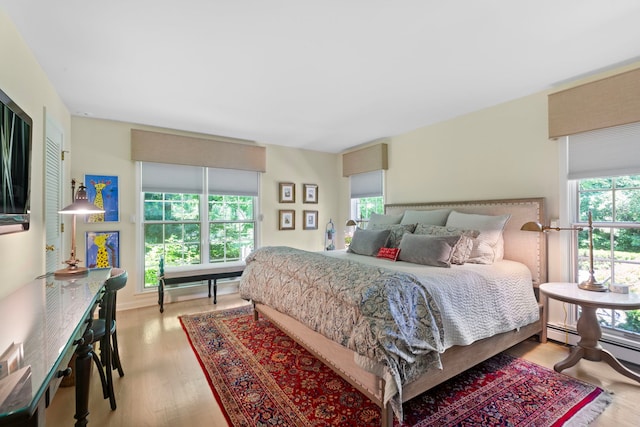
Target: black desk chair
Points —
{"points": [[104, 331]]}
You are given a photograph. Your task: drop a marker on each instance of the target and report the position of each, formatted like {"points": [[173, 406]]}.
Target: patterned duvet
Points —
{"points": [[398, 315]]}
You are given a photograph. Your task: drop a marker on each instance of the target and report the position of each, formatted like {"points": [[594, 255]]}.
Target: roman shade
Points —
{"points": [[233, 182], [605, 152], [159, 147], [364, 160], [168, 178], [171, 178], [604, 103], [366, 184]]}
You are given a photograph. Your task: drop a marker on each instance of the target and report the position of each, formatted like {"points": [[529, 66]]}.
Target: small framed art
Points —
{"points": [[310, 220], [103, 249], [286, 219], [310, 193], [102, 191], [287, 192]]}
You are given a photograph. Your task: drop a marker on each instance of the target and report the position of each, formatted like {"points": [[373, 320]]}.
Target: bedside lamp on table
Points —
{"points": [[590, 284]]}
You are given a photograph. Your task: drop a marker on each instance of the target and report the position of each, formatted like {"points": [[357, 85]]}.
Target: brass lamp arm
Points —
{"points": [[546, 227]]}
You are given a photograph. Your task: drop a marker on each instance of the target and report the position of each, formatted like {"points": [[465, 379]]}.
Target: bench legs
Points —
{"points": [[161, 295], [215, 290], [196, 278]]}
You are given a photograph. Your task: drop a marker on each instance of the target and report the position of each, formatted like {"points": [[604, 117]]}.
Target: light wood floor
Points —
{"points": [[164, 384]]}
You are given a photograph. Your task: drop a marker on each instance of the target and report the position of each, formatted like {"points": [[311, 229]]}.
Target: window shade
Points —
{"points": [[164, 178], [233, 182], [612, 101], [605, 152], [367, 159], [182, 150], [366, 184]]}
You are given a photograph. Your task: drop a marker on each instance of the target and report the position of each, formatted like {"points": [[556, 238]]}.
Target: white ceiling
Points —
{"points": [[323, 75]]}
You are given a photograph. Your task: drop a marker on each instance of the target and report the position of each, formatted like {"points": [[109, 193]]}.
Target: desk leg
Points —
{"points": [[83, 377], [215, 291]]}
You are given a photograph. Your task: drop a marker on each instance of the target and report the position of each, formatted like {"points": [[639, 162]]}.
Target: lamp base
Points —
{"points": [[71, 271], [597, 287]]}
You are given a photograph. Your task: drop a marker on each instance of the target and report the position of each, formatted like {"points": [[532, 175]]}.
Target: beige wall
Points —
{"points": [[496, 153], [21, 78], [103, 147], [499, 152]]}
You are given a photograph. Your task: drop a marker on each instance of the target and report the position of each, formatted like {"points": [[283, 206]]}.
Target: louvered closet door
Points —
{"points": [[52, 195]]}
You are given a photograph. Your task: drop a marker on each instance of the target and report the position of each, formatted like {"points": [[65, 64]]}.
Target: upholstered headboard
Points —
{"points": [[526, 247]]}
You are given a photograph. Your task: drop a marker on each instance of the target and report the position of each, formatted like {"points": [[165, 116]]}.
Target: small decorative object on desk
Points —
{"points": [[330, 236]]}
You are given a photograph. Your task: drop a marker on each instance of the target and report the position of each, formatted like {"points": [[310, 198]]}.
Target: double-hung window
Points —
{"points": [[366, 196], [195, 215], [604, 179], [615, 206]]}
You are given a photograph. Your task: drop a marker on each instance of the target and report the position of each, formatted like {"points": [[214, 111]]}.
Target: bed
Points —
{"points": [[397, 329]]}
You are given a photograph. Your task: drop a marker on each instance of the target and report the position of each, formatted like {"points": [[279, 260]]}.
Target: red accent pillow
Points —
{"points": [[389, 253]]}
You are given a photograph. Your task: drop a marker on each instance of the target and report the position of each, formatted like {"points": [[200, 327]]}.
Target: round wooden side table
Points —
{"points": [[588, 327]]}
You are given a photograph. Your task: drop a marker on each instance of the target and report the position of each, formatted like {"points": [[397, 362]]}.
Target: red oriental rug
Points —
{"points": [[261, 377]]}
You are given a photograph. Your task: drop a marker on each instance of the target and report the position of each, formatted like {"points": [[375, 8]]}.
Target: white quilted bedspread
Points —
{"points": [[476, 301]]}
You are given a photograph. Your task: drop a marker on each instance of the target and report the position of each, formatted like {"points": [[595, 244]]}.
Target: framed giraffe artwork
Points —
{"points": [[102, 191], [103, 249]]}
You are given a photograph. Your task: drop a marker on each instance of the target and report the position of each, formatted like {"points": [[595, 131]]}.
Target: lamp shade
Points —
{"points": [[533, 226], [81, 204], [350, 223]]}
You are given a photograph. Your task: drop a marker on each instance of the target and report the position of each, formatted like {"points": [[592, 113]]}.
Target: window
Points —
{"points": [[614, 203], [603, 175], [366, 196], [195, 215]]}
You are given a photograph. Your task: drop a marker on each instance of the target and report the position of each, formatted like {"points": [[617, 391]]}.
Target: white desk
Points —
{"points": [[588, 326]]}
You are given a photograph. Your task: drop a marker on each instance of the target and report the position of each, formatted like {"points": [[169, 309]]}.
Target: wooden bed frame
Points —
{"points": [[526, 247]]}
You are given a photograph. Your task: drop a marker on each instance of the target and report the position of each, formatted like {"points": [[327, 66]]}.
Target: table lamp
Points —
{"points": [[80, 206], [590, 284]]}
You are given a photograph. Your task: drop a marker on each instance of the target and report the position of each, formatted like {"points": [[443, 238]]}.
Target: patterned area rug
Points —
{"points": [[261, 377]]}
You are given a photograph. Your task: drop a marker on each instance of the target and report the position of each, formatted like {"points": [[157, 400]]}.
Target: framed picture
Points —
{"points": [[310, 220], [103, 249], [310, 193], [287, 219], [102, 191], [287, 192]]}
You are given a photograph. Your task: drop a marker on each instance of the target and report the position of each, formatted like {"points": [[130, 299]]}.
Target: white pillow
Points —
{"points": [[489, 245], [432, 217]]}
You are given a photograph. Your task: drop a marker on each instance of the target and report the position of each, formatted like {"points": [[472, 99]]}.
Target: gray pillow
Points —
{"points": [[428, 250], [368, 242], [396, 231], [433, 217], [378, 219], [462, 251]]}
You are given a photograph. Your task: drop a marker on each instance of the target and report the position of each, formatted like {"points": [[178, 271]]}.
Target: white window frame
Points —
{"points": [[563, 317], [365, 185], [204, 224]]}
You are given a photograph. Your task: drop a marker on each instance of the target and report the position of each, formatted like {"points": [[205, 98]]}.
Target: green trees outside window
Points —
{"points": [[362, 208], [173, 227], [614, 203]]}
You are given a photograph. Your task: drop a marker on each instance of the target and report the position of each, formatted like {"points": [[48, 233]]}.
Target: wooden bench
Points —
{"points": [[197, 272]]}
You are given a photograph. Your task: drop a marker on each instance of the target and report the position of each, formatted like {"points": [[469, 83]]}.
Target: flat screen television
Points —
{"points": [[15, 166]]}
